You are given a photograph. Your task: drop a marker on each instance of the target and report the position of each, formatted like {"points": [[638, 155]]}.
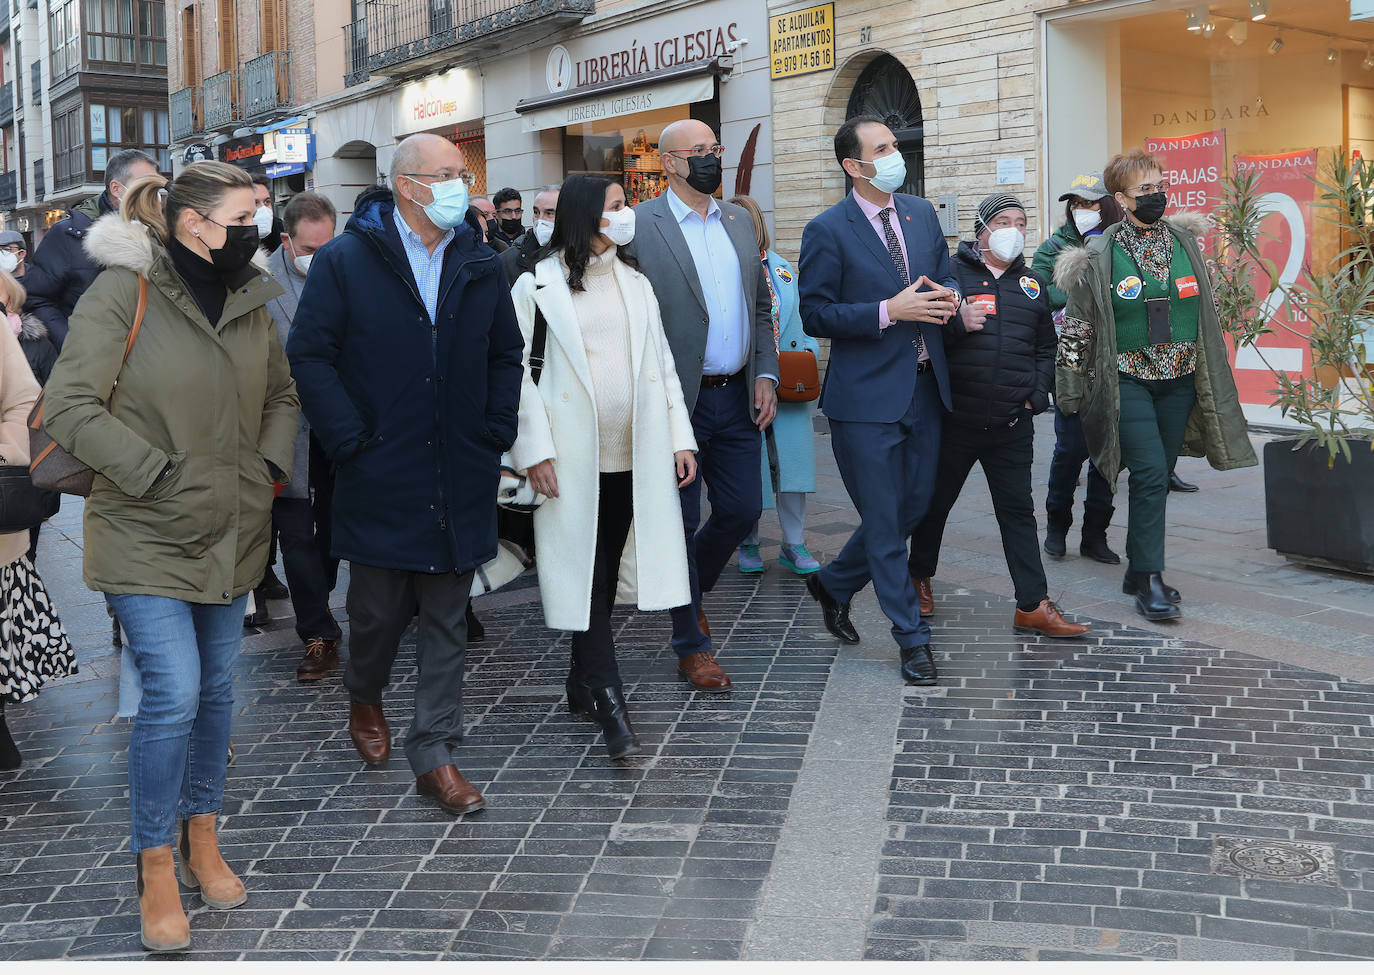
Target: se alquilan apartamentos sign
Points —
{"points": [[802, 42]]}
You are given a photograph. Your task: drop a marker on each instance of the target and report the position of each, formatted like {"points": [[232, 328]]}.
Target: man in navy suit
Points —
{"points": [[875, 279]]}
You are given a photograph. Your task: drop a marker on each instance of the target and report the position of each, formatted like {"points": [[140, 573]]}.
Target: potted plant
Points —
{"points": [[1319, 485]]}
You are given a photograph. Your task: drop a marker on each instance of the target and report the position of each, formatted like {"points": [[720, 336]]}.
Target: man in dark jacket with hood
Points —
{"points": [[60, 270], [408, 359], [520, 258], [1001, 368]]}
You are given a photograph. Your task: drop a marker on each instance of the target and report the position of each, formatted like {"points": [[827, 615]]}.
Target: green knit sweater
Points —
{"points": [[1131, 288]]}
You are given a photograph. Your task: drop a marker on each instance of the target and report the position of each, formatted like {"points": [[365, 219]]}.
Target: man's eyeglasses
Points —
{"points": [[716, 150], [1145, 189], [506, 212], [467, 178]]}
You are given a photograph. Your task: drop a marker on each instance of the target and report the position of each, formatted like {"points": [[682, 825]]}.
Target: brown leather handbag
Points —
{"points": [[799, 377], [52, 468]]}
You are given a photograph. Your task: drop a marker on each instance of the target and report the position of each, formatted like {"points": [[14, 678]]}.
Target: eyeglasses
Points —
{"points": [[12, 248], [469, 179], [1145, 189], [507, 212], [716, 150]]}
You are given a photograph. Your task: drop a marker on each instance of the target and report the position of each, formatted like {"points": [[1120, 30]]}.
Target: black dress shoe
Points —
{"points": [[1150, 599], [1177, 483], [476, 631], [260, 616], [611, 713], [272, 587], [918, 666], [1130, 585], [836, 613]]}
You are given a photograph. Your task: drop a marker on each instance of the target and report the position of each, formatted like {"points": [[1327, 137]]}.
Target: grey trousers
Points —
{"points": [[381, 604]]}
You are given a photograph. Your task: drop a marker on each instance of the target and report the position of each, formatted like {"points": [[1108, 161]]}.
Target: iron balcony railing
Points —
{"points": [[266, 84], [7, 103], [393, 32], [222, 105], [355, 52], [9, 191], [187, 113]]}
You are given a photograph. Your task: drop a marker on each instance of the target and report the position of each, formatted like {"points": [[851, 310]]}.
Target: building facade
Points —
{"points": [[82, 79]]}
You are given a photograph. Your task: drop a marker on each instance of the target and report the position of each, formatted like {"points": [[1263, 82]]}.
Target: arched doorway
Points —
{"points": [[885, 89]]}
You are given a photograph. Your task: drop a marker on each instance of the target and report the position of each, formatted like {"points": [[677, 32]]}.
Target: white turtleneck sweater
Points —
{"points": [[605, 326]]}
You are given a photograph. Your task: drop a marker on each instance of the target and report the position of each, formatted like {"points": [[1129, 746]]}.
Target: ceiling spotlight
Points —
{"points": [[1209, 27], [1332, 54], [1276, 45], [1368, 62], [1259, 9], [1239, 33], [1196, 15]]}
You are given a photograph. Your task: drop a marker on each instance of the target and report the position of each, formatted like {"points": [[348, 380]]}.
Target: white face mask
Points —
{"points": [[543, 231], [8, 262], [262, 219], [1006, 243], [622, 228], [1086, 220], [890, 174]]}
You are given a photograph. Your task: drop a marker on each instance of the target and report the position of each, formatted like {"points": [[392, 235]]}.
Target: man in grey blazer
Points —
{"points": [[701, 257]]}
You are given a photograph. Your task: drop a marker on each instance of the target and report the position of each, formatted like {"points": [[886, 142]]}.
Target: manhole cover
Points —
{"points": [[1259, 858]]}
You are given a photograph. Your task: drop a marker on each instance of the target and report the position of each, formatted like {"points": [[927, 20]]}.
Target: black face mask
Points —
{"points": [[703, 173], [1150, 207], [512, 228], [240, 244]]}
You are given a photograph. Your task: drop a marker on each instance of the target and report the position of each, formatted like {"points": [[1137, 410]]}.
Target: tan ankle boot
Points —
{"points": [[165, 927], [202, 866]]}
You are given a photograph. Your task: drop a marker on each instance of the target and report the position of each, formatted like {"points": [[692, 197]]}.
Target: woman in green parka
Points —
{"points": [[202, 421], [1143, 361]]}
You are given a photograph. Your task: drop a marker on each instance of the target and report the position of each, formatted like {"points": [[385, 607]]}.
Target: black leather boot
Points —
{"points": [[1094, 544], [1151, 601], [579, 694], [9, 751], [1129, 587], [476, 631], [1057, 523], [614, 717]]}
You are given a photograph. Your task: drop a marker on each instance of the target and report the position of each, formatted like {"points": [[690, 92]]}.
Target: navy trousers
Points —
{"points": [[889, 471], [1070, 451], [730, 461]]}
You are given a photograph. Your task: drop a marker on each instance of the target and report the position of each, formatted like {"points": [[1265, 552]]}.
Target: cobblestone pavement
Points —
{"points": [[1137, 794]]}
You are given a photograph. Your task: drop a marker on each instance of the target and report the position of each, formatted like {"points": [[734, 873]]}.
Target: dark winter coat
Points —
{"points": [[414, 415], [993, 372], [60, 270], [521, 257], [37, 346], [1047, 254]]}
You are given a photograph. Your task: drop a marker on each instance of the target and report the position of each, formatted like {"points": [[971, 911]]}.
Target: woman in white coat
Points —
{"points": [[606, 437]]}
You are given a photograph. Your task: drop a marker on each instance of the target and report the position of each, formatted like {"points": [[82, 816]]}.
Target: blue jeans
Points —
{"points": [[179, 747], [1070, 451]]}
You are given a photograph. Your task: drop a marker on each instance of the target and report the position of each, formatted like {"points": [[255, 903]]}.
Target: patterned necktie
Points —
{"points": [[894, 248]]}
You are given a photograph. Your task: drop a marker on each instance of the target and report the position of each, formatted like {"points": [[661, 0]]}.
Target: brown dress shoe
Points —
{"points": [[702, 672], [924, 596], [321, 656], [367, 727], [1048, 621], [703, 623], [455, 794]]}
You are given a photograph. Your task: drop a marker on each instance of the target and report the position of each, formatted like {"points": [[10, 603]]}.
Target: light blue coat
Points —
{"points": [[793, 430]]}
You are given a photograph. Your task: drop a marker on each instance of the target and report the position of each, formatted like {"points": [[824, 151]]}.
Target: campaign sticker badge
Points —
{"points": [[785, 274], [1030, 286], [1129, 288], [987, 302], [1187, 287]]}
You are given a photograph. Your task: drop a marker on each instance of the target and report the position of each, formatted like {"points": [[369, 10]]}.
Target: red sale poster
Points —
{"points": [[1193, 165], [1288, 192]]}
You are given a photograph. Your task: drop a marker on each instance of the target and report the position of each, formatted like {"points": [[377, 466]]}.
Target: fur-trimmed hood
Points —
{"points": [[113, 241], [32, 328], [1071, 268]]}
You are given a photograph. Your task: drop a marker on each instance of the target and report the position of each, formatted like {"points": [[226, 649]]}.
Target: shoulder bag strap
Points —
{"points": [[537, 343], [138, 318]]}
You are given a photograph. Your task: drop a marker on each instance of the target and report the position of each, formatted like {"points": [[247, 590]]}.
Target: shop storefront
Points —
{"points": [[283, 152], [1210, 89], [598, 102], [449, 105]]}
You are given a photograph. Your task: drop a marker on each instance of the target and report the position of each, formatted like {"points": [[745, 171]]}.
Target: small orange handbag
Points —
{"points": [[799, 377]]}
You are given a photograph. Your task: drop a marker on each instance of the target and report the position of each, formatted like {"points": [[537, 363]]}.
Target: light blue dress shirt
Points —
{"points": [[722, 285], [428, 268]]}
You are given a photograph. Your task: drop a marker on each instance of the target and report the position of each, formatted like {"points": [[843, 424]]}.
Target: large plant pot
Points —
{"points": [[1319, 515]]}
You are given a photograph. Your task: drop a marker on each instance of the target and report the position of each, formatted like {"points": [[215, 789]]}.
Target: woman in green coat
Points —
{"points": [[200, 425], [1142, 359]]}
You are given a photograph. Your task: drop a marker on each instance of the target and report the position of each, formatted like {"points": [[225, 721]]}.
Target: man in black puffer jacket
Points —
{"points": [[1001, 369]]}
